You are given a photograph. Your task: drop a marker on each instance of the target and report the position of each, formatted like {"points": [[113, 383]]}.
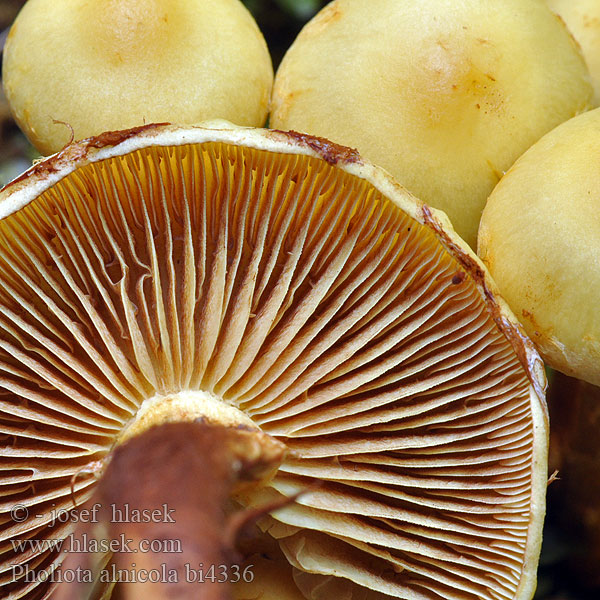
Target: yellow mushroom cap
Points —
{"points": [[186, 271], [582, 17], [100, 66], [444, 94], [540, 238]]}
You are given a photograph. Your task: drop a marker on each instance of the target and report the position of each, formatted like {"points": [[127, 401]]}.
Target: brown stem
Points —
{"points": [[162, 501]]}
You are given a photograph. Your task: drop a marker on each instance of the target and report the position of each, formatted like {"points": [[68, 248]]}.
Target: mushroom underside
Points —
{"points": [[300, 295]]}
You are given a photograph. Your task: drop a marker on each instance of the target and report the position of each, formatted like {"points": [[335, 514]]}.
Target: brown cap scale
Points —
{"points": [[281, 284]]}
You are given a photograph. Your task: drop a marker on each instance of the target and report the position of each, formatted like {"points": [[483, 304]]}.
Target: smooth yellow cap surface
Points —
{"points": [[540, 238], [444, 94], [582, 17], [100, 66]]}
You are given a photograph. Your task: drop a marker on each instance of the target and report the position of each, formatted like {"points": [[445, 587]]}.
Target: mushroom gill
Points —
{"points": [[287, 280]]}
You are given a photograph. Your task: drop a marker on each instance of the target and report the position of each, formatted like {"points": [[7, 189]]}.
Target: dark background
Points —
{"points": [[280, 22]]}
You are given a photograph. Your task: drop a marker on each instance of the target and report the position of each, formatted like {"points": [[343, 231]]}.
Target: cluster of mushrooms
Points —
{"points": [[240, 362]]}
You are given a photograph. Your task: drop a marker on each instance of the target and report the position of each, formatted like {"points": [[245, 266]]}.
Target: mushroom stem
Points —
{"points": [[162, 506]]}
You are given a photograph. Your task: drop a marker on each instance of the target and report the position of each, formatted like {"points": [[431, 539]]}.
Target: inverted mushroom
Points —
{"points": [[278, 283]]}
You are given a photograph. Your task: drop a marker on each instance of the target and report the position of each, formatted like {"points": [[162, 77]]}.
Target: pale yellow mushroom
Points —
{"points": [[79, 68], [540, 236], [582, 17], [444, 94]]}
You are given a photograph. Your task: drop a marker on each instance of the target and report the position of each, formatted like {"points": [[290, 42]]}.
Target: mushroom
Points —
{"points": [[445, 95], [75, 68], [582, 17], [277, 287], [540, 238]]}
